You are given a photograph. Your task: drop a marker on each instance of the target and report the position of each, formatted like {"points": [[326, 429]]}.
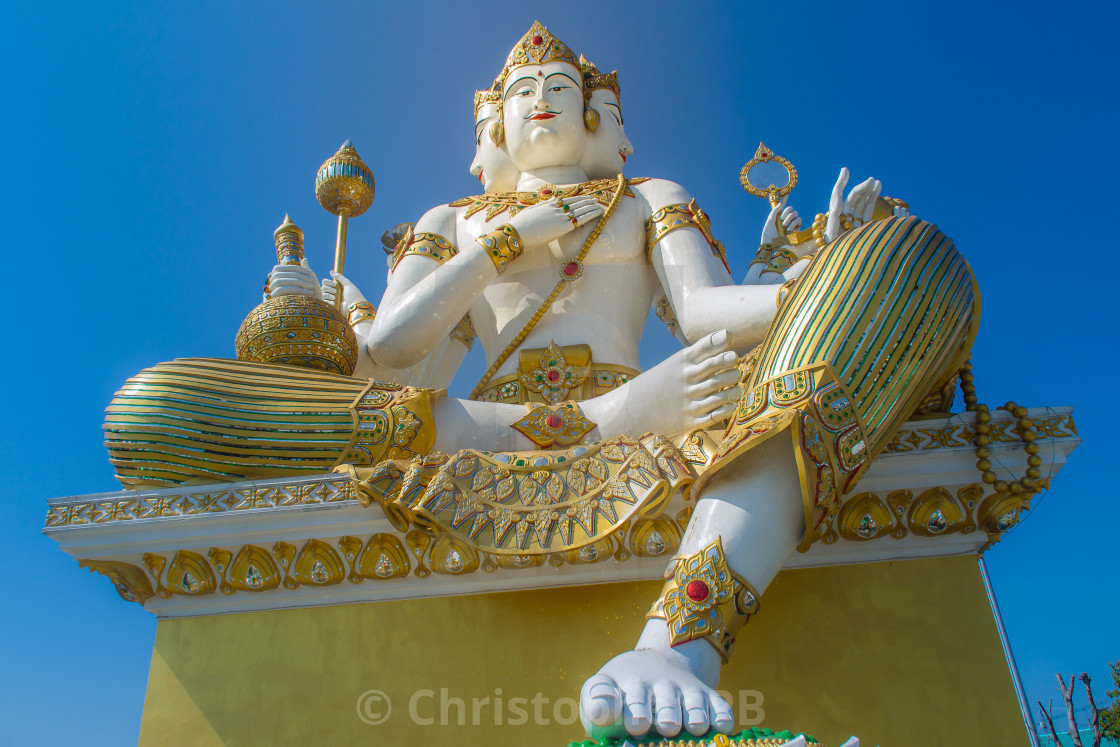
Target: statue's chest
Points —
{"points": [[621, 240]]}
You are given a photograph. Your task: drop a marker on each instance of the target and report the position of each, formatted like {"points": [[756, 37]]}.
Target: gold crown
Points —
{"points": [[537, 47], [482, 98], [594, 80]]}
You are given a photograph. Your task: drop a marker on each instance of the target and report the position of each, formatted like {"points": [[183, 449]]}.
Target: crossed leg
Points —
{"points": [[755, 507]]}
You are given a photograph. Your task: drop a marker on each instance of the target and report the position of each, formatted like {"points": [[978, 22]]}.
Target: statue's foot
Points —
{"points": [[692, 388], [645, 689]]}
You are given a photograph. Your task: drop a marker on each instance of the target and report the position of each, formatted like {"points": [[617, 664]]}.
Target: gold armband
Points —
{"points": [[502, 245], [360, 311], [671, 217], [703, 598], [776, 259], [424, 244]]}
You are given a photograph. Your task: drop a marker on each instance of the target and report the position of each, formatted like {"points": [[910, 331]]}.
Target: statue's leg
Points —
{"points": [[883, 316], [201, 420]]}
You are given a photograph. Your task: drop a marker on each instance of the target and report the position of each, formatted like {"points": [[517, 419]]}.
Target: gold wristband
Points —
{"points": [[360, 311], [703, 598], [502, 245]]}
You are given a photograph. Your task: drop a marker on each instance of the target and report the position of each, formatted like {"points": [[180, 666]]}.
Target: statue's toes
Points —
{"points": [[637, 714], [600, 701], [667, 708], [719, 713], [697, 718]]}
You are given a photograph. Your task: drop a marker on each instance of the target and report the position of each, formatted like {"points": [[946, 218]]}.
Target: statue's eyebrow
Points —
{"points": [[574, 81], [617, 115], [514, 84]]}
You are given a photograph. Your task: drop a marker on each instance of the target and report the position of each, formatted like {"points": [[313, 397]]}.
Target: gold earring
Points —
{"points": [[497, 132], [591, 119]]}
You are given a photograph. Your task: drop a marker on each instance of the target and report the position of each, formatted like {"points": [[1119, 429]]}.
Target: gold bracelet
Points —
{"points": [[703, 598], [502, 245], [360, 311]]}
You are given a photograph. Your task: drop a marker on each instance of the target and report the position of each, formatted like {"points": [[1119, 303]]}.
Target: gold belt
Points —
{"points": [[556, 374]]}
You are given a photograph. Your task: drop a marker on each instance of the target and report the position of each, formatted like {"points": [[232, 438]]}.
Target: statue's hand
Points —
{"points": [[548, 221], [860, 204], [791, 221], [294, 280], [339, 285]]}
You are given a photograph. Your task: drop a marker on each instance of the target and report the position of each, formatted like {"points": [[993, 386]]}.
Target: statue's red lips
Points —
{"points": [[543, 115], [623, 156]]}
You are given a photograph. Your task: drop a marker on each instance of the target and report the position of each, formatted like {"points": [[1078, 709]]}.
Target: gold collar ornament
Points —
{"points": [[560, 425], [550, 374], [514, 202]]}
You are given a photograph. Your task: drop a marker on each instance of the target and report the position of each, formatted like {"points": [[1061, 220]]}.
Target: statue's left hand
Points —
{"points": [[859, 205], [294, 280]]}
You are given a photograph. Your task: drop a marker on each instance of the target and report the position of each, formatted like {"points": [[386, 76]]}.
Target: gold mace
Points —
{"points": [[344, 186]]}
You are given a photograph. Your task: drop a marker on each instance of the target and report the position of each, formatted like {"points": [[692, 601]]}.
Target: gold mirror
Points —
{"points": [[768, 175]]}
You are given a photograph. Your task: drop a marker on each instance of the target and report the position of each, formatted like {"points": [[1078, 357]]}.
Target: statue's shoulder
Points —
{"points": [[657, 193]]}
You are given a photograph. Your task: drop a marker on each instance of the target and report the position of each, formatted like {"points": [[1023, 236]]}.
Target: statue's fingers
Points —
{"points": [[696, 719], [637, 714], [589, 210], [837, 201], [709, 367], [601, 700], [719, 713], [667, 708]]}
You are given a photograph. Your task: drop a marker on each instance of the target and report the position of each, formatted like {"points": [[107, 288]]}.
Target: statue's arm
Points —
{"points": [[695, 280], [425, 297]]}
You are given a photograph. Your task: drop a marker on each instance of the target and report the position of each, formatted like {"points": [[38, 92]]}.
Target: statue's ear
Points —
{"points": [[591, 119], [497, 132]]}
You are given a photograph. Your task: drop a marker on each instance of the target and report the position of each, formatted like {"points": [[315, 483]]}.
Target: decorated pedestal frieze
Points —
{"points": [[313, 539]]}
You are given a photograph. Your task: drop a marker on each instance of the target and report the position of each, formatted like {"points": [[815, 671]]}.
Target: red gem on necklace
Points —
{"points": [[554, 421], [697, 591], [546, 191], [553, 375], [571, 269], [537, 41]]}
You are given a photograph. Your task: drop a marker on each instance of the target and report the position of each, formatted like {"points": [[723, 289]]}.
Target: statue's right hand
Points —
{"points": [[548, 221], [294, 280]]}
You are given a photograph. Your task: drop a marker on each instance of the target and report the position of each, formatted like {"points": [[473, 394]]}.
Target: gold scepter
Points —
{"points": [[344, 186]]}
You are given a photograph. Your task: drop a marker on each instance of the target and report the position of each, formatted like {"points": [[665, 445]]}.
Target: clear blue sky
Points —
{"points": [[150, 149]]}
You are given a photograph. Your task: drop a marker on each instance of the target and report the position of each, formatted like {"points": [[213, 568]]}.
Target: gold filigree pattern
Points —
{"points": [[424, 244], [562, 425], [512, 203]]}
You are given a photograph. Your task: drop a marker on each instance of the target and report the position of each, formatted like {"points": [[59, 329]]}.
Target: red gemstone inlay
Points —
{"points": [[571, 269], [554, 421], [546, 191], [537, 40], [553, 375], [697, 591]]}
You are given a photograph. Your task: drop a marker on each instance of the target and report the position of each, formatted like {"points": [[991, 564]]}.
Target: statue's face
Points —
{"points": [[608, 147], [492, 164], [543, 113]]}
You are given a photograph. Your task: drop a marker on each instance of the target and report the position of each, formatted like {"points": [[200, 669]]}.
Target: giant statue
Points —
{"points": [[787, 387]]}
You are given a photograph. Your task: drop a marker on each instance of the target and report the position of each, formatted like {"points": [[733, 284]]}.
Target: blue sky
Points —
{"points": [[150, 150]]}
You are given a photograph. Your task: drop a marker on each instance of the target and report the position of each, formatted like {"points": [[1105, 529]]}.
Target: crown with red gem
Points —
{"points": [[593, 79], [482, 98], [537, 47]]}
